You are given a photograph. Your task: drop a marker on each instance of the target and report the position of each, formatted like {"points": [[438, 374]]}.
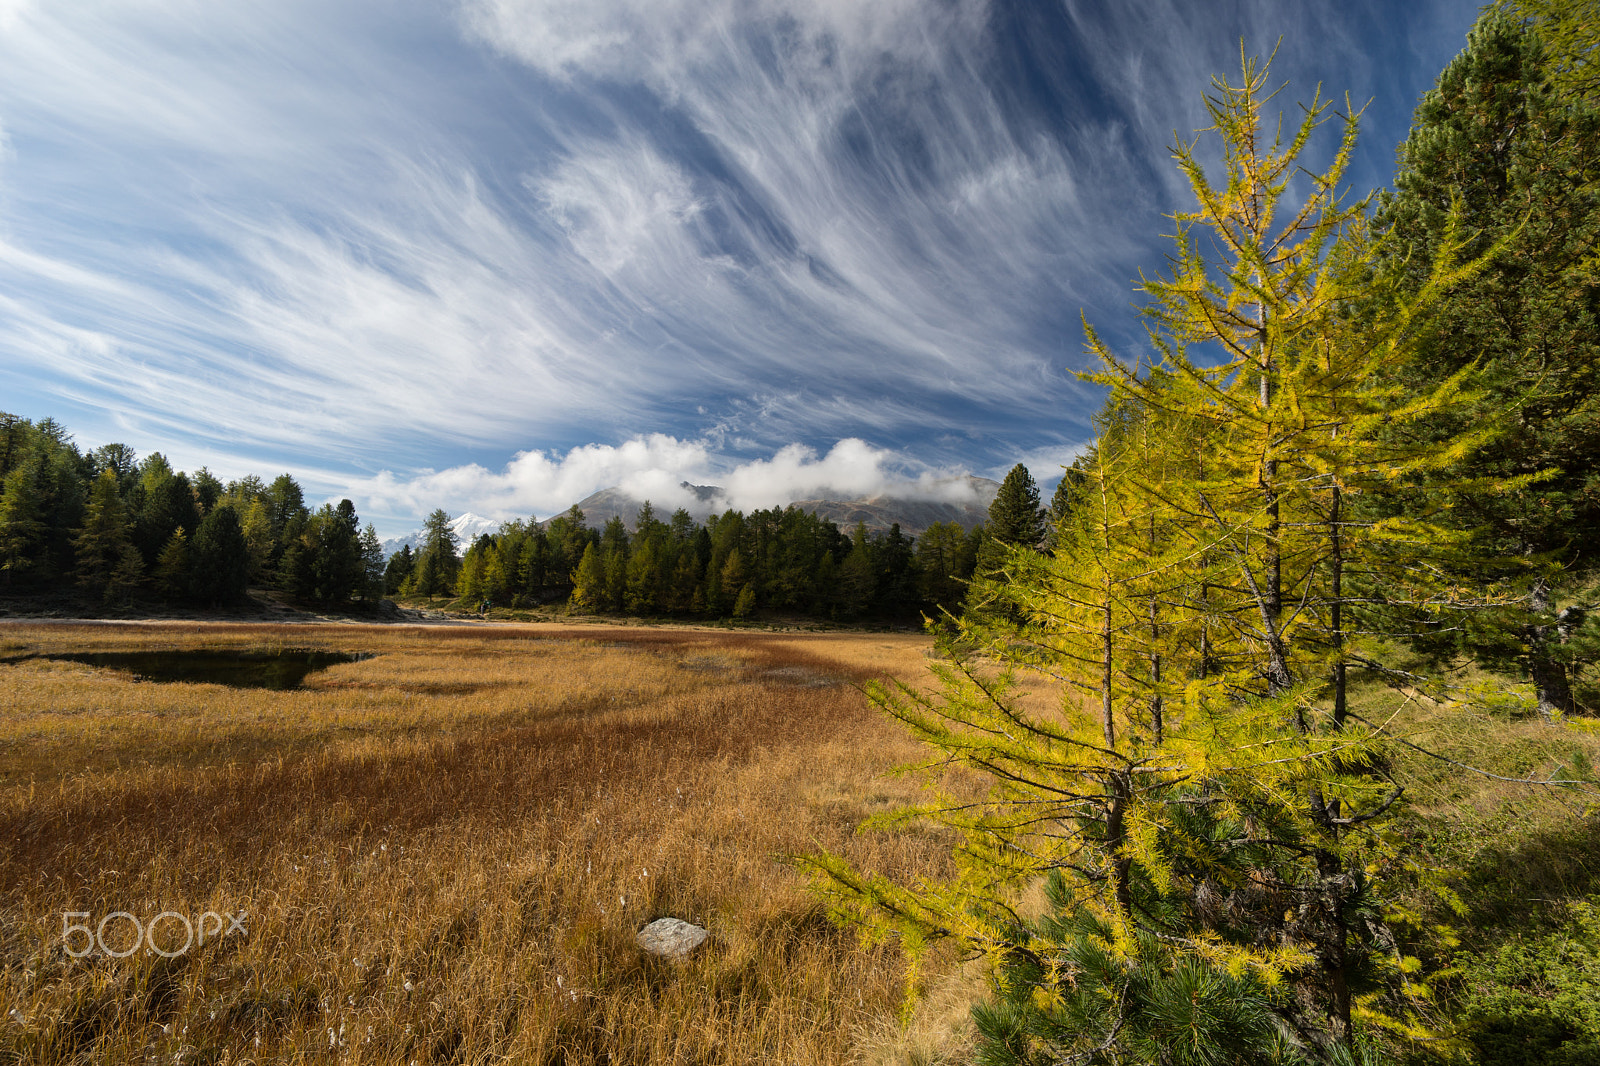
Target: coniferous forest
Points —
{"points": [[115, 529]]}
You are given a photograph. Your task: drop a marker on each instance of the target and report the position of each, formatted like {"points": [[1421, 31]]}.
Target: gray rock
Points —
{"points": [[671, 938]]}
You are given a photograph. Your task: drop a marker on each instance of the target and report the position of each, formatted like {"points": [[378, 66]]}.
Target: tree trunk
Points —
{"points": [[1334, 953], [1156, 704], [1278, 676], [1548, 674], [1336, 619], [1108, 724]]}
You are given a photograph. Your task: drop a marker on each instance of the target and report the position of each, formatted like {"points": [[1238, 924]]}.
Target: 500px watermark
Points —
{"points": [[144, 934]]}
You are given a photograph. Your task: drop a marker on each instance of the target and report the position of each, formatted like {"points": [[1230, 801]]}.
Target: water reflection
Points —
{"points": [[277, 669]]}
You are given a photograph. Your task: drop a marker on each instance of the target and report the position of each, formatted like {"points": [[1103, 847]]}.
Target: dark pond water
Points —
{"points": [[240, 669]]}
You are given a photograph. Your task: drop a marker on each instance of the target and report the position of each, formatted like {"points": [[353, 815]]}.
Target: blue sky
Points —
{"points": [[492, 255]]}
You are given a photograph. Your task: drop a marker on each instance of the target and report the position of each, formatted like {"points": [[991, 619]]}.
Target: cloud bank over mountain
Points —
{"points": [[663, 470]]}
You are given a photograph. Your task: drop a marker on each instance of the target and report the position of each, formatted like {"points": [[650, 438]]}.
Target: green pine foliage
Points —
{"points": [[589, 581], [22, 526], [171, 572], [42, 496], [783, 559], [115, 528], [397, 570], [220, 565], [946, 556], [1160, 1004], [1517, 161], [1570, 30], [1015, 517], [165, 502], [1534, 1000]]}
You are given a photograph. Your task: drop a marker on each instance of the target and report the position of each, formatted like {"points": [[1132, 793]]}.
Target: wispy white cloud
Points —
{"points": [[620, 204], [1045, 463], [662, 42]]}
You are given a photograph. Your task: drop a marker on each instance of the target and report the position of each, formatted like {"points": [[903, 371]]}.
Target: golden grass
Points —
{"points": [[445, 850], [1520, 853]]}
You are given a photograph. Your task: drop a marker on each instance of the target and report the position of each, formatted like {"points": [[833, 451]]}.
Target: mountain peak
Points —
{"points": [[914, 506], [468, 527]]}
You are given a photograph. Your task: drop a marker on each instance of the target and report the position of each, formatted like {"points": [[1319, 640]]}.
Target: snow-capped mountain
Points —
{"points": [[964, 500], [469, 527]]}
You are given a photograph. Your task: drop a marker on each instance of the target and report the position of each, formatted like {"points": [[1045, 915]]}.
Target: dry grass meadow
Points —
{"points": [[445, 850]]}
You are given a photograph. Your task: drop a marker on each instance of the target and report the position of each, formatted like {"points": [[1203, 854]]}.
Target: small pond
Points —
{"points": [[283, 669]]}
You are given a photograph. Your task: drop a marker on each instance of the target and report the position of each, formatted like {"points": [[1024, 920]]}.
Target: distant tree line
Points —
{"points": [[117, 528], [780, 559]]}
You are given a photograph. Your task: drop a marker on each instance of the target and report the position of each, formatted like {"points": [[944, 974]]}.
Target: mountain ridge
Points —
{"points": [[964, 500]]}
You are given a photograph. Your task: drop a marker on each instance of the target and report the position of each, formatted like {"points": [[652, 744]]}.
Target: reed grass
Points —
{"points": [[445, 850]]}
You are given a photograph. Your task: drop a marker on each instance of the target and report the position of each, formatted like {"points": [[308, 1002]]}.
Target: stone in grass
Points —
{"points": [[671, 938]]}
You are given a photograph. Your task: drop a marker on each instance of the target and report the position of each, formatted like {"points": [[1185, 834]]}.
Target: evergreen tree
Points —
{"points": [[127, 577], [287, 514], [534, 562], [1015, 516], [430, 577], [567, 536], [398, 568], [944, 564], [896, 587], [168, 504], [614, 538], [642, 594], [1495, 141], [207, 490], [41, 501], [338, 570], [104, 537], [436, 557], [121, 460], [172, 567], [246, 490], [470, 583], [219, 559], [22, 523], [858, 575], [154, 470], [1015, 520], [296, 570], [685, 584], [1060, 504], [682, 526], [646, 525], [372, 564], [614, 561], [286, 501], [589, 581]]}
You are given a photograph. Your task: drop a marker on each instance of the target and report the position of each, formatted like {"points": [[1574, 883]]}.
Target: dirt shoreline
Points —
{"points": [[264, 608]]}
